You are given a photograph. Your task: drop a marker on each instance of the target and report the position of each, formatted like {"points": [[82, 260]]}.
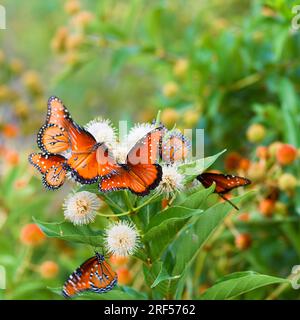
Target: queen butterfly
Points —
{"points": [[52, 167], [95, 275], [140, 173], [175, 147], [224, 183], [90, 160]]}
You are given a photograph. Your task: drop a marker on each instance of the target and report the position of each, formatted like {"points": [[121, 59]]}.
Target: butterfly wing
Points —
{"points": [[224, 182], [175, 147], [141, 173], [79, 280], [139, 179], [53, 139], [52, 167], [93, 275], [103, 279]]}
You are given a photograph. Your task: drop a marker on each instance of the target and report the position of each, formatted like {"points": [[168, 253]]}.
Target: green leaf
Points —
{"points": [[196, 234], [196, 199], [164, 227], [239, 283], [192, 169], [118, 293], [163, 275], [167, 216], [67, 231]]}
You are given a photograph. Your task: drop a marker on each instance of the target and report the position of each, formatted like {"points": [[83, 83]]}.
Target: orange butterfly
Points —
{"points": [[140, 173], [52, 167], [91, 160], [95, 275], [175, 147], [224, 183]]}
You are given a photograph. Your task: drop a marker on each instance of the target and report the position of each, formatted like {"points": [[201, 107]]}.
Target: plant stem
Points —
{"points": [[146, 202]]}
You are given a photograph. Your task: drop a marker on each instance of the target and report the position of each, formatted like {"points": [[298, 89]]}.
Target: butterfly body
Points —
{"points": [[94, 275]]}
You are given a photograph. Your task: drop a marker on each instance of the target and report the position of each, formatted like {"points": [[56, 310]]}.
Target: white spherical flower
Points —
{"points": [[102, 131], [80, 208], [172, 180], [138, 132], [120, 151], [121, 238]]}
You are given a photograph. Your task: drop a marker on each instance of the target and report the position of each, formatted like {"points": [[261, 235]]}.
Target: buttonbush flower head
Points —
{"points": [[120, 151], [121, 238], [172, 180], [80, 208], [102, 130]]}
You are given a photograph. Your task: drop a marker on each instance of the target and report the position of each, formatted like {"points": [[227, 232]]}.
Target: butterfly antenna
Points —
{"points": [[230, 202]]}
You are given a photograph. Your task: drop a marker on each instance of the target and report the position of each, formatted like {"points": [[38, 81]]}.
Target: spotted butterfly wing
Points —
{"points": [[224, 183], [175, 147], [140, 174], [95, 275], [61, 133], [52, 167]]}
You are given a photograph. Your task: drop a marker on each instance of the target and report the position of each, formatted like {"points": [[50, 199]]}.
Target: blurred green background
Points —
{"points": [[221, 66]]}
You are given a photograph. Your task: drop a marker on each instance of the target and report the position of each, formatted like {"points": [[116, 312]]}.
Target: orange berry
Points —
{"points": [[74, 41], [256, 133], [48, 269], [32, 235], [266, 207], [12, 157], [244, 164], [124, 276], [232, 161], [72, 6], [286, 154], [243, 241], [10, 130], [118, 260], [244, 216], [170, 89], [83, 19], [262, 152]]}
